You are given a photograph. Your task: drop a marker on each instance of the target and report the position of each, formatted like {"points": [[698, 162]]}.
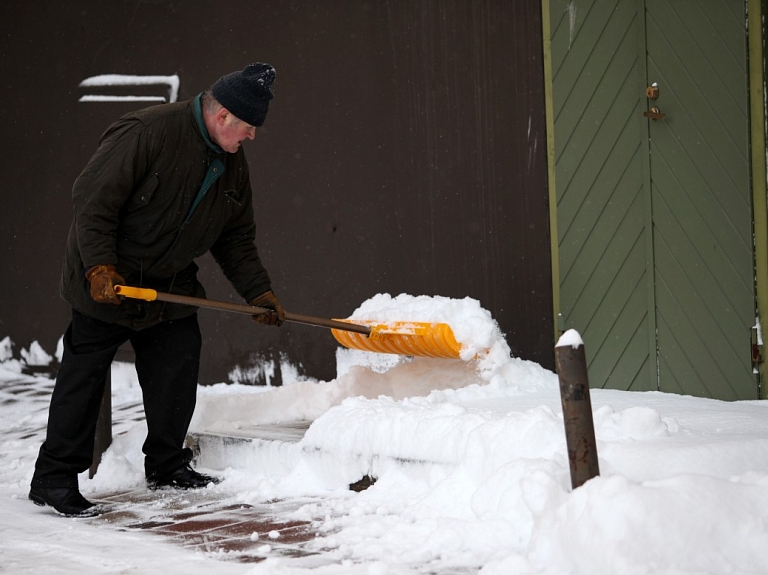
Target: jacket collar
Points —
{"points": [[197, 106]]}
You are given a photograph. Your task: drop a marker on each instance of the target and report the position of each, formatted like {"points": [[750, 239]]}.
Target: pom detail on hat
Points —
{"points": [[247, 93]]}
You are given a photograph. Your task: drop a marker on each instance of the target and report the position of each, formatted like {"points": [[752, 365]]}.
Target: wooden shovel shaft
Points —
{"points": [[149, 295]]}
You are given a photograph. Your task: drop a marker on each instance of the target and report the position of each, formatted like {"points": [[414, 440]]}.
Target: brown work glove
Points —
{"points": [[276, 313], [103, 280]]}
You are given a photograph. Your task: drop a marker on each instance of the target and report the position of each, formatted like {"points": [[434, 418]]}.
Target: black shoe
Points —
{"points": [[183, 478], [67, 501]]}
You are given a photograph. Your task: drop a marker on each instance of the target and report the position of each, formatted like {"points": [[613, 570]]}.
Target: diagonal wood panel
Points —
{"points": [[602, 221], [701, 198]]}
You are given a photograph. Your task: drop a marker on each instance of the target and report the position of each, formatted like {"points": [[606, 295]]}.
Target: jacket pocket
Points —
{"points": [[143, 194], [233, 200], [148, 217]]}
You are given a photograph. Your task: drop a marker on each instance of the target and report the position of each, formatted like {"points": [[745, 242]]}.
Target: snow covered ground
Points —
{"points": [[470, 461]]}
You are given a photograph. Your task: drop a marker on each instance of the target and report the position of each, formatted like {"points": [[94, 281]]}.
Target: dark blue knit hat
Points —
{"points": [[246, 94]]}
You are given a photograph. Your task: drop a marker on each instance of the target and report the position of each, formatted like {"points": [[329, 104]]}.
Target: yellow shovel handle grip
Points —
{"points": [[136, 293]]}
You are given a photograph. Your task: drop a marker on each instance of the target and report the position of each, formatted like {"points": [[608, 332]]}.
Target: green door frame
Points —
{"points": [[759, 172], [550, 122], [755, 11]]}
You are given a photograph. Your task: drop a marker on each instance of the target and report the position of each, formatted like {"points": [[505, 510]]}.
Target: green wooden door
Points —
{"points": [[654, 219]]}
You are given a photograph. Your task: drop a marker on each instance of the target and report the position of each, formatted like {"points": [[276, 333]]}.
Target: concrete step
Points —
{"points": [[271, 447]]}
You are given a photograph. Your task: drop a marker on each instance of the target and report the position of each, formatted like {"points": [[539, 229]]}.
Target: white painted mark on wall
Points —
{"points": [[571, 22], [110, 80]]}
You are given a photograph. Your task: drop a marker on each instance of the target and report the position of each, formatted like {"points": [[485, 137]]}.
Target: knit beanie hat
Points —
{"points": [[246, 94]]}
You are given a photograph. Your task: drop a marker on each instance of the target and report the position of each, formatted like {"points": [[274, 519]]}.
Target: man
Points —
{"points": [[166, 185]]}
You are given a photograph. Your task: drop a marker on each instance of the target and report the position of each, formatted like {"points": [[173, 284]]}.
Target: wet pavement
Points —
{"points": [[203, 521], [213, 521]]}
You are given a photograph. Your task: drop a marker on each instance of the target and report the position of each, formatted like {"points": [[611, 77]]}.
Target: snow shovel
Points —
{"points": [[404, 338]]}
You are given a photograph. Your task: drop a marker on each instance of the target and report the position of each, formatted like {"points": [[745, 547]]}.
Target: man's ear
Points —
{"points": [[221, 116]]}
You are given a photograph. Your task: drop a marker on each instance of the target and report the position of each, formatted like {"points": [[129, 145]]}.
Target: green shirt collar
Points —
{"points": [[198, 108]]}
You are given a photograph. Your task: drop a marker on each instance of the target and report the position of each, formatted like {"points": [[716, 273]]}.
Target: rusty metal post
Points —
{"points": [[103, 437], [577, 409]]}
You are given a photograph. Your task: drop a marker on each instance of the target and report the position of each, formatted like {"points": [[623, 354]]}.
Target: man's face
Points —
{"points": [[231, 131]]}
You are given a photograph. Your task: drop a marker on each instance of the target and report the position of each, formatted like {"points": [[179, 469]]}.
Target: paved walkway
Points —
{"points": [[200, 520], [208, 520], [212, 521]]}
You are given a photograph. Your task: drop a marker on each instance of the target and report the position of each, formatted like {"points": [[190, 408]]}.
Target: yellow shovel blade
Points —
{"points": [[403, 338]]}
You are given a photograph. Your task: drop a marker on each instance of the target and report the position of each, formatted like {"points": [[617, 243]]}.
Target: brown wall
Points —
{"points": [[405, 151]]}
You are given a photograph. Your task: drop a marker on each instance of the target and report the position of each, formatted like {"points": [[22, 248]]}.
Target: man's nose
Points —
{"points": [[251, 133]]}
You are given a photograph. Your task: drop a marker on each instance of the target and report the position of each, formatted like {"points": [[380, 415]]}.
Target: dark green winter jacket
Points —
{"points": [[132, 205]]}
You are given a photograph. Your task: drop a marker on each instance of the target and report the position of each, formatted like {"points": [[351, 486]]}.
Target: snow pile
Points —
{"points": [[36, 356], [364, 374], [570, 338], [6, 349], [470, 463], [472, 325], [8, 365]]}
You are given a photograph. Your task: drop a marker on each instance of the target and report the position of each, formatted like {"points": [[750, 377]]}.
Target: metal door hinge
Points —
{"points": [[757, 347]]}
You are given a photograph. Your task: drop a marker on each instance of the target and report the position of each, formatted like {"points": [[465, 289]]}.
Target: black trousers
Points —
{"points": [[167, 364]]}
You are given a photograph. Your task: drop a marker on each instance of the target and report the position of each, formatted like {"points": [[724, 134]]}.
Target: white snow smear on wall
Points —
{"points": [[103, 80]]}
